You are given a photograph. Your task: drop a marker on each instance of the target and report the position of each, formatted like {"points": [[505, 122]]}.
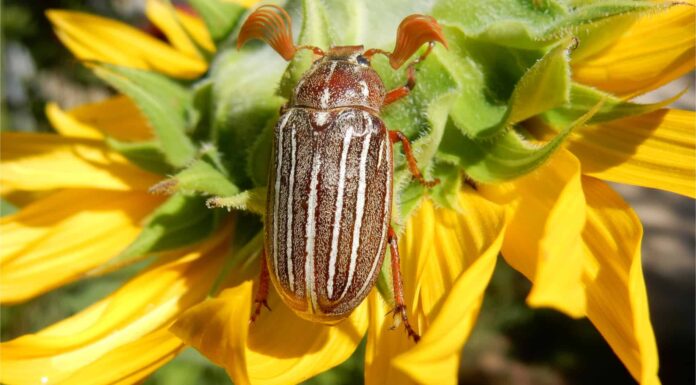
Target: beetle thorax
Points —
{"points": [[340, 79]]}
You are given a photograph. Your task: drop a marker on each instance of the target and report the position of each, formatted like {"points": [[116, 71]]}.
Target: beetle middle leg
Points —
{"points": [[400, 307], [398, 136], [261, 298]]}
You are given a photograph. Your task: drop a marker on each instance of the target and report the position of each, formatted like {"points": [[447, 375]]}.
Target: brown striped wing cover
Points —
{"points": [[329, 201]]}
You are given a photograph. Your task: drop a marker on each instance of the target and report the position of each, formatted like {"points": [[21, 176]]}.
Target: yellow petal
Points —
{"points": [[152, 351], [617, 302], [66, 125], [44, 162], [654, 51], [197, 29], [116, 117], [245, 3], [653, 150], [543, 239], [94, 38], [147, 303], [280, 347], [447, 261], [59, 238], [219, 328], [164, 17]]}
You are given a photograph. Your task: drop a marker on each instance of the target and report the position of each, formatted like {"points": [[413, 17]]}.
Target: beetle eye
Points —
{"points": [[362, 60]]}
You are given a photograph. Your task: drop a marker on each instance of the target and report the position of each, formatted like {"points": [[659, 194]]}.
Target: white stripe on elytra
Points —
{"points": [[279, 167], [387, 202], [339, 210], [359, 208], [381, 151], [310, 230], [288, 230]]}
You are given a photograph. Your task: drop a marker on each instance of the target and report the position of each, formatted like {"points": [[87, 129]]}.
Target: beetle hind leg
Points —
{"points": [[261, 299], [399, 311]]}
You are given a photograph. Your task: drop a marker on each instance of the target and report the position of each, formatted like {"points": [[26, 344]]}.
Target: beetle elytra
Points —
{"points": [[327, 224]]}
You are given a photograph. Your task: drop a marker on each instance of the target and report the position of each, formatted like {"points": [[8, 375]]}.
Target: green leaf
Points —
{"points": [[146, 155], [219, 16], [505, 158], [180, 221], [199, 177], [584, 98], [162, 101]]}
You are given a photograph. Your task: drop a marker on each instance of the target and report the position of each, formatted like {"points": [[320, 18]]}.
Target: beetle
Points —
{"points": [[330, 185]]}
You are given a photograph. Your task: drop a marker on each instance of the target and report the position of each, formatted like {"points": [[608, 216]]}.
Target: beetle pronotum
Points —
{"points": [[327, 225]]}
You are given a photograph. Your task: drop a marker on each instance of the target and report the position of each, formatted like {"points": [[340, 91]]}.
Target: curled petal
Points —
{"points": [[279, 348], [543, 238], [447, 261], [657, 49], [617, 302]]}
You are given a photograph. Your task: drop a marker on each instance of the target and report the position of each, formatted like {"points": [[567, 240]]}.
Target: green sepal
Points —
{"points": [[146, 155], [519, 24], [164, 103], [179, 221], [202, 104], [446, 193], [243, 93], [584, 98], [199, 177], [508, 157], [220, 17], [259, 156], [252, 200], [540, 82], [595, 11]]}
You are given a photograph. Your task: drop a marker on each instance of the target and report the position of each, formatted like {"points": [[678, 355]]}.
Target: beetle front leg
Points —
{"points": [[398, 136], [404, 90], [400, 307], [261, 298]]}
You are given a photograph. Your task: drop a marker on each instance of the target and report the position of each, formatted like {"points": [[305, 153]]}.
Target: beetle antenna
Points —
{"points": [[272, 24], [413, 32]]}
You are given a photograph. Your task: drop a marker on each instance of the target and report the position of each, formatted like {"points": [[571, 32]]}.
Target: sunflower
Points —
{"points": [[530, 105]]}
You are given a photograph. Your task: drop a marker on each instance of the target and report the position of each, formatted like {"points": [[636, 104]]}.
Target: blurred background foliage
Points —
{"points": [[511, 343]]}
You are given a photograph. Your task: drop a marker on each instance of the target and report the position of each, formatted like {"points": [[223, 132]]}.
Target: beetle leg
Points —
{"points": [[397, 136], [400, 308], [404, 90], [262, 291]]}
